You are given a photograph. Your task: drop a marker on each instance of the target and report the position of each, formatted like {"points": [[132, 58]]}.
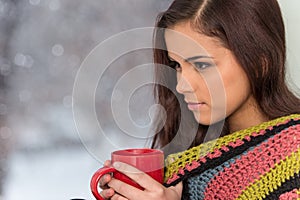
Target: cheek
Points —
{"points": [[237, 90]]}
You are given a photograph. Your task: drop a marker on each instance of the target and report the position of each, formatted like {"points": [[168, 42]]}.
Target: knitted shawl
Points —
{"points": [[261, 162]]}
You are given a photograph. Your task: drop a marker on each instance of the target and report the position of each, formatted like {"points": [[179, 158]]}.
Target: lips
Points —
{"points": [[195, 106]]}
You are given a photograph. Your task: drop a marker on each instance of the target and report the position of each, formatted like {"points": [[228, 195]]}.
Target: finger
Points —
{"points": [[178, 188], [107, 193], [104, 180], [124, 189], [138, 176], [118, 197], [107, 163]]}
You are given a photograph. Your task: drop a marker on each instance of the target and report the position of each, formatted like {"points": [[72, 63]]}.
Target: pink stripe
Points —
{"points": [[230, 183], [216, 153], [292, 195], [174, 178], [181, 171], [236, 143]]}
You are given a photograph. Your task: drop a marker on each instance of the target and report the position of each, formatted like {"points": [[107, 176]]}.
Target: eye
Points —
{"points": [[202, 65], [175, 65]]}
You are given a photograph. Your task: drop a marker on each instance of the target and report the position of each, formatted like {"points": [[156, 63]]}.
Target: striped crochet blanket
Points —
{"points": [[261, 162]]}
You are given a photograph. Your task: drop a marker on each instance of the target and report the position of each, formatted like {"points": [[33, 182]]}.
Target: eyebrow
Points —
{"points": [[195, 58], [192, 58]]}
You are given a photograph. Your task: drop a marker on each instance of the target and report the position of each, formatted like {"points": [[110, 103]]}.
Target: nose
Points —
{"points": [[183, 84]]}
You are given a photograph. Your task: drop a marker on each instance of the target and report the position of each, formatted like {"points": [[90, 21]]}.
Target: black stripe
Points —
{"points": [[212, 163], [289, 185], [185, 191]]}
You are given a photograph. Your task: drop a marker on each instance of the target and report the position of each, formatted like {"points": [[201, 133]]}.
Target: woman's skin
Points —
{"points": [[217, 64], [193, 77]]}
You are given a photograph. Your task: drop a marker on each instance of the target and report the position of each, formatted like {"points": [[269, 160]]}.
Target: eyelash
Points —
{"points": [[199, 65], [175, 65]]}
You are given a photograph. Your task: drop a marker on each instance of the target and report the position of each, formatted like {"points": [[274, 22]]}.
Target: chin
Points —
{"points": [[201, 119], [206, 119]]}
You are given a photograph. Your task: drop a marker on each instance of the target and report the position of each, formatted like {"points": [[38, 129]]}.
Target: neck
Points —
{"points": [[246, 116]]}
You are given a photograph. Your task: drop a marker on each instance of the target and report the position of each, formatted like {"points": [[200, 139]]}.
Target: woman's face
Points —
{"points": [[214, 85]]}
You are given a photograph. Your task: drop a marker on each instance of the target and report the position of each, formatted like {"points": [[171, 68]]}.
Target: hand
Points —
{"points": [[153, 189], [106, 192]]}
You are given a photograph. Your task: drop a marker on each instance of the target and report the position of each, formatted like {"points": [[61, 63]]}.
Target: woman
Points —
{"points": [[252, 119]]}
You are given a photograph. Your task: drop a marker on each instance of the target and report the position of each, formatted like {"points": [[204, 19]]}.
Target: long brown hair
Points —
{"points": [[253, 31]]}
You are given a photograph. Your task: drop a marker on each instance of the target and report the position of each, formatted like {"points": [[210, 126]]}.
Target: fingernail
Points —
{"points": [[105, 177]]}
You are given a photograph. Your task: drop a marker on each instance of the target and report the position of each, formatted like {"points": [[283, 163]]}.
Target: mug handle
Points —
{"points": [[96, 178]]}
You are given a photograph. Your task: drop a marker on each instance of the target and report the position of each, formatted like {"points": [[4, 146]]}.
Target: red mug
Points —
{"points": [[150, 161]]}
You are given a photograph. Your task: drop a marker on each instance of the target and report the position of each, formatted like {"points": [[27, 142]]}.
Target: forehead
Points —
{"points": [[185, 42]]}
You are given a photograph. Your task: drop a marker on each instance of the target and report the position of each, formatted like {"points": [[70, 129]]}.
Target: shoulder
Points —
{"points": [[223, 151]]}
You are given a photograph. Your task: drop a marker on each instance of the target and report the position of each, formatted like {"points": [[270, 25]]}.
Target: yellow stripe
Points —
{"points": [[298, 192], [176, 161], [273, 179]]}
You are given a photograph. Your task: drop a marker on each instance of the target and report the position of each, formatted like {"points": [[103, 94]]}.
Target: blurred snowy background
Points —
{"points": [[42, 44]]}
